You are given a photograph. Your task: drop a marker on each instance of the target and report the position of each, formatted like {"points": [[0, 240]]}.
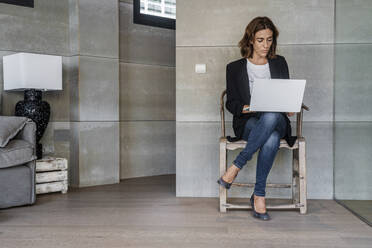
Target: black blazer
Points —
{"points": [[238, 93]]}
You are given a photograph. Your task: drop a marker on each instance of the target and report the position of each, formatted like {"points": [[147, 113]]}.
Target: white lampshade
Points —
{"points": [[32, 71]]}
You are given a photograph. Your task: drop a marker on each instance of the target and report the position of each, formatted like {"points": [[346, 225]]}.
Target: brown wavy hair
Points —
{"points": [[257, 24]]}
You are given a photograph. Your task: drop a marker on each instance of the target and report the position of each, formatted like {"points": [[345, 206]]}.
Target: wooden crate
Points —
{"points": [[51, 175]]}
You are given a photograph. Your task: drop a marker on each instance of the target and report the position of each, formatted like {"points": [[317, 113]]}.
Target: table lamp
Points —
{"points": [[33, 73]]}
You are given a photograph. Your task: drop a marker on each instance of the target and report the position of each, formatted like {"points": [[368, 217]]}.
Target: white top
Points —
{"points": [[257, 72]]}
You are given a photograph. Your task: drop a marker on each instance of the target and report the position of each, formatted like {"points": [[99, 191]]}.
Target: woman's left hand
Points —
{"points": [[290, 114]]}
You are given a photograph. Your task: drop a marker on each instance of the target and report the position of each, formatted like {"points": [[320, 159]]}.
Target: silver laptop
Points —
{"points": [[277, 95]]}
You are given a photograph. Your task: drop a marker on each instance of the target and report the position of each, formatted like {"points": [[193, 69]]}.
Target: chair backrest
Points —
{"points": [[222, 114]]}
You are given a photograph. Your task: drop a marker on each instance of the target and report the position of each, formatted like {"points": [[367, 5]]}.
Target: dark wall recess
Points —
{"points": [[26, 3], [150, 20]]}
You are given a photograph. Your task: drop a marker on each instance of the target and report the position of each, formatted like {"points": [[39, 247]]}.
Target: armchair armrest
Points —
{"points": [[28, 133]]}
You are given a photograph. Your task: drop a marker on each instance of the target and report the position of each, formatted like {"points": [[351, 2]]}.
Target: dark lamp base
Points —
{"points": [[37, 110], [39, 151]]}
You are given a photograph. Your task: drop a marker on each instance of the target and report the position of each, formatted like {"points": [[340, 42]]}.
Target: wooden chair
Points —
{"points": [[298, 184]]}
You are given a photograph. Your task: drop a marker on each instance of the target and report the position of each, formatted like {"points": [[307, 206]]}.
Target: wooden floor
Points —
{"points": [[361, 207], [144, 212]]}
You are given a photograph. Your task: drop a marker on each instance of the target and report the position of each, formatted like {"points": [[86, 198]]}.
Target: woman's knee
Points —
{"points": [[270, 117], [249, 125], [273, 141]]}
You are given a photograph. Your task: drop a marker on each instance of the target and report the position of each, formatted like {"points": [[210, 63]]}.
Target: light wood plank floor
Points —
{"points": [[144, 212]]}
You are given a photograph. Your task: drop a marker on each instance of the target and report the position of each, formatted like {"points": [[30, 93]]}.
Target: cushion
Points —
{"points": [[15, 153], [9, 127]]}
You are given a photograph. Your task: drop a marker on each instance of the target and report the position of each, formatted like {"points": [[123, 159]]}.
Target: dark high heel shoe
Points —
{"points": [[223, 183], [264, 216]]}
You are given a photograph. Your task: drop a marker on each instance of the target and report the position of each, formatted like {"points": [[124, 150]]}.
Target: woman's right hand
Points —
{"points": [[246, 111]]}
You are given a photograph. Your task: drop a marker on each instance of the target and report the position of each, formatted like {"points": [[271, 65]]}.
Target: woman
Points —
{"points": [[261, 130]]}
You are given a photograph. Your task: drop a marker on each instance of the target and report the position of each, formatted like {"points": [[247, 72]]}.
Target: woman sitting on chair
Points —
{"points": [[261, 130]]}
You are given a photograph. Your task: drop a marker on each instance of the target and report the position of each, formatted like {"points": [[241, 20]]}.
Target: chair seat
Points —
{"points": [[16, 152], [242, 143]]}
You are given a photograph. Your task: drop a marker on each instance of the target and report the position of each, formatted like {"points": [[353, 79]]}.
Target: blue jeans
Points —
{"points": [[263, 132]]}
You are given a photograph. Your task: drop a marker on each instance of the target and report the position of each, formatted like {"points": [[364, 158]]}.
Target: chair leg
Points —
{"points": [[223, 191], [295, 178], [302, 170]]}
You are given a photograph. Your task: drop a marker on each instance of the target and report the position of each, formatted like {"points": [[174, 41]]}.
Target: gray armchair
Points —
{"points": [[17, 162]]}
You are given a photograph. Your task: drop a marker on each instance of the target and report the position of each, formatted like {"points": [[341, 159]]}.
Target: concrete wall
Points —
{"points": [[353, 101], [147, 97], [84, 123], [209, 34], [94, 92]]}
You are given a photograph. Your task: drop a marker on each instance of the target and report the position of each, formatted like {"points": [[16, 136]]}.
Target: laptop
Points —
{"points": [[277, 95]]}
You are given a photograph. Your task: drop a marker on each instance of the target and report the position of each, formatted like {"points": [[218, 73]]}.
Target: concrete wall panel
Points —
{"points": [[144, 44], [42, 29], [148, 148], [73, 77], [353, 21], [147, 92], [197, 159], [222, 23], [99, 28], [319, 159], [353, 172], [98, 89], [56, 140], [2, 53], [126, 1], [98, 166], [198, 95], [74, 34], [353, 82], [74, 170]]}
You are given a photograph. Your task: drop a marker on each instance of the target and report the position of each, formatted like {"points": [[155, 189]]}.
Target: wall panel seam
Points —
{"points": [[158, 65]]}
